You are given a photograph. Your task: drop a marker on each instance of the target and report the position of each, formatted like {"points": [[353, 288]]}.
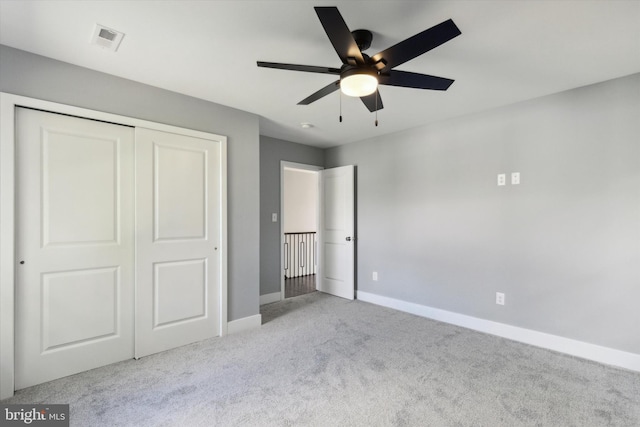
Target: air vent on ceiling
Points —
{"points": [[106, 38]]}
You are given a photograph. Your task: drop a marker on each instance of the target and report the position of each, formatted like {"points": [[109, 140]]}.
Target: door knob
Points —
{"points": [[348, 239]]}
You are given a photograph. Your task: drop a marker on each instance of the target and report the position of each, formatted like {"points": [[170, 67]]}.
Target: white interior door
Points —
{"points": [[178, 237], [74, 244], [337, 240]]}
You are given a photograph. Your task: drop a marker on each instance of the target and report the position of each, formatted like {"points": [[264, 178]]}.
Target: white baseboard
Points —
{"points": [[581, 349], [269, 298], [244, 324]]}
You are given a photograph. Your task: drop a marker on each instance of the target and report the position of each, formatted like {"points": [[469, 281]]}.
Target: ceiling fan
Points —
{"points": [[360, 74]]}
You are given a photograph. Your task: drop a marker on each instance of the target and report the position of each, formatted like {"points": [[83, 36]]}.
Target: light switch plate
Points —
{"points": [[515, 178], [274, 217]]}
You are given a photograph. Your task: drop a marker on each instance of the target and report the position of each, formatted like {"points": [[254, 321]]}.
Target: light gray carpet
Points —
{"points": [[323, 361]]}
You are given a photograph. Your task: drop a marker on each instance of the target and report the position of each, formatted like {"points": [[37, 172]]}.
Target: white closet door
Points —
{"points": [[75, 245], [177, 240], [336, 264]]}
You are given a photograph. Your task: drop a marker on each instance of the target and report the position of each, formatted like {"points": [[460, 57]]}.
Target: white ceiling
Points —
{"points": [[509, 51]]}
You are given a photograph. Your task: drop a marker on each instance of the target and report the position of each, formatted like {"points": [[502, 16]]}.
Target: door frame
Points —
{"points": [[8, 104], [302, 166]]}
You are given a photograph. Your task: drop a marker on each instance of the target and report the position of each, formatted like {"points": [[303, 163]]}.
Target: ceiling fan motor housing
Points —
{"points": [[362, 38]]}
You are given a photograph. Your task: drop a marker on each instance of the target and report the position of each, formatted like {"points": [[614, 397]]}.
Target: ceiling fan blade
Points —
{"points": [[339, 34], [371, 103], [416, 45], [294, 67], [414, 80], [330, 88]]}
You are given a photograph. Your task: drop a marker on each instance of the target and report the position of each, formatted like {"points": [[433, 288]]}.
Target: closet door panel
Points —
{"points": [[75, 245], [177, 240]]}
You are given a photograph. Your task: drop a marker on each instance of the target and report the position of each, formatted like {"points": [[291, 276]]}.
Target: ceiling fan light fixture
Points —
{"points": [[358, 82]]}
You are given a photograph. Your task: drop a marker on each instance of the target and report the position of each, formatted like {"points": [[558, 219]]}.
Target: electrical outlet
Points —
{"points": [[502, 179], [499, 298], [515, 178], [375, 276]]}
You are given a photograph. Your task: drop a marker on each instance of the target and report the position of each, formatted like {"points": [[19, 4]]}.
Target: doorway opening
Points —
{"points": [[300, 264], [299, 228]]}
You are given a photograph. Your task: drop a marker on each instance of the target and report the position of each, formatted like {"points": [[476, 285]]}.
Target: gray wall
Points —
{"points": [[564, 245], [35, 76], [272, 151]]}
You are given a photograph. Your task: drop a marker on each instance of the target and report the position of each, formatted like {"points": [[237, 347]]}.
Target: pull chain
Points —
{"points": [[376, 107], [340, 106]]}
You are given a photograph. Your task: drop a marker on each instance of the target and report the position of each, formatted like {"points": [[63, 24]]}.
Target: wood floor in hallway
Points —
{"points": [[299, 285]]}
